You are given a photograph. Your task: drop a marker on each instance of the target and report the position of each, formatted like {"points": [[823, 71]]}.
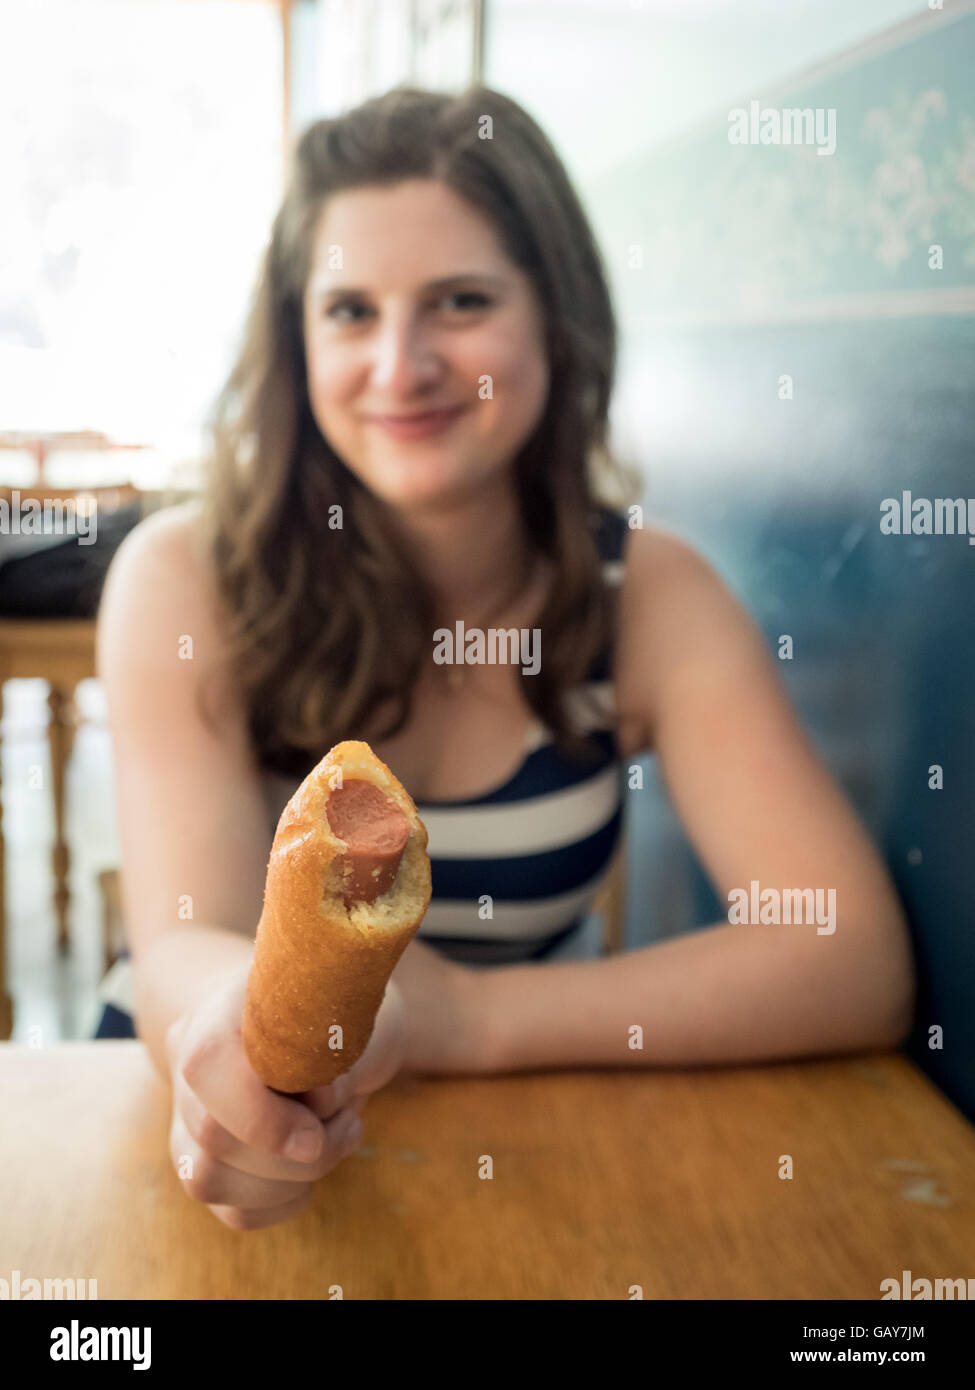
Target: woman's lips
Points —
{"points": [[417, 426]]}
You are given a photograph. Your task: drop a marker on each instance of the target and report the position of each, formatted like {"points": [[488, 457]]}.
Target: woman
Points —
{"points": [[414, 436]]}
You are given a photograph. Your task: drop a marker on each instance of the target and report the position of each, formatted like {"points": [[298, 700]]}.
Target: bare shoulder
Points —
{"points": [[678, 620], [166, 543], [170, 534], [653, 552], [669, 584], [159, 577]]}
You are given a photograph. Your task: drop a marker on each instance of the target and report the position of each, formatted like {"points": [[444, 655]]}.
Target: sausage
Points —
{"points": [[375, 832]]}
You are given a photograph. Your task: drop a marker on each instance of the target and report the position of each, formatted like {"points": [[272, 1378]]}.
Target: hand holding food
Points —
{"points": [[251, 1156]]}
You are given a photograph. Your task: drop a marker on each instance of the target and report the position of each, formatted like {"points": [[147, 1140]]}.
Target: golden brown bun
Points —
{"points": [[317, 965]]}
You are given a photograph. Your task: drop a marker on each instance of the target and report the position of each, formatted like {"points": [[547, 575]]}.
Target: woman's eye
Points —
{"points": [[344, 307], [474, 299]]}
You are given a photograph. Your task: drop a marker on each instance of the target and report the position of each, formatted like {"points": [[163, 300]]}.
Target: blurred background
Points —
{"points": [[797, 345]]}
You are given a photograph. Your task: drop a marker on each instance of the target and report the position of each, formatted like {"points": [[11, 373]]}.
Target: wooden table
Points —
{"points": [[602, 1180]]}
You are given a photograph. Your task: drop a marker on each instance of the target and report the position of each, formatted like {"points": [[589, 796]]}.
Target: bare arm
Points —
{"points": [[758, 804], [193, 826]]}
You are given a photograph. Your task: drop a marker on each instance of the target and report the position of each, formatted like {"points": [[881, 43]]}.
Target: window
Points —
{"points": [[141, 162]]}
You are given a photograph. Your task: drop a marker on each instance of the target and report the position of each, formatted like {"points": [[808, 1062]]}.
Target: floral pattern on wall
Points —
{"points": [[709, 226]]}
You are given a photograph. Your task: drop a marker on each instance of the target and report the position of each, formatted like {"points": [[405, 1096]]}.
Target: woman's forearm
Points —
{"points": [[175, 972], [722, 995]]}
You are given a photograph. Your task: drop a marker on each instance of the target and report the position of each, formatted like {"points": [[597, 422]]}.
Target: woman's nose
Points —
{"points": [[405, 358]]}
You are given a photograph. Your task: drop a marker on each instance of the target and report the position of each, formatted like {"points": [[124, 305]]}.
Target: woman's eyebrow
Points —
{"points": [[324, 286]]}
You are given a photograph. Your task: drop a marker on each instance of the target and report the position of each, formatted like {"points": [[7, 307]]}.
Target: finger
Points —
{"points": [[206, 1179], [325, 1101], [220, 1143], [254, 1219], [217, 1071], [357, 1104]]}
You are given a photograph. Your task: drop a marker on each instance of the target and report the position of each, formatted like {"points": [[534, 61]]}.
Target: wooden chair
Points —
{"points": [[62, 652]]}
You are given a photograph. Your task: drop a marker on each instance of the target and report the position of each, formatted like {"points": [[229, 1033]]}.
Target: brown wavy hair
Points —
{"points": [[327, 625]]}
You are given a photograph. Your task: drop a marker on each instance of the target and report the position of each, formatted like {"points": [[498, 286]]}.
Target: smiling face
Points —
{"points": [[424, 306]]}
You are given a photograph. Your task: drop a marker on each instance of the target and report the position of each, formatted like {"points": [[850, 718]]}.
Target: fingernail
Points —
{"points": [[305, 1145]]}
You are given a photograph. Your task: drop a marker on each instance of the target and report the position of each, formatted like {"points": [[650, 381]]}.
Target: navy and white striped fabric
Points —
{"points": [[514, 873]]}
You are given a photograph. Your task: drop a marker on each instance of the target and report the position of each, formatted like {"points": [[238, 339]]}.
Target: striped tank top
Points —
{"points": [[515, 872]]}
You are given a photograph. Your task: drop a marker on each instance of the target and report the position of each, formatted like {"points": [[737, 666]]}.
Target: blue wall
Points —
{"points": [[765, 261]]}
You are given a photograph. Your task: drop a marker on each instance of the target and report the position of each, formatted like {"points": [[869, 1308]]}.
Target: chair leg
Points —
{"points": [[60, 738], [108, 882]]}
